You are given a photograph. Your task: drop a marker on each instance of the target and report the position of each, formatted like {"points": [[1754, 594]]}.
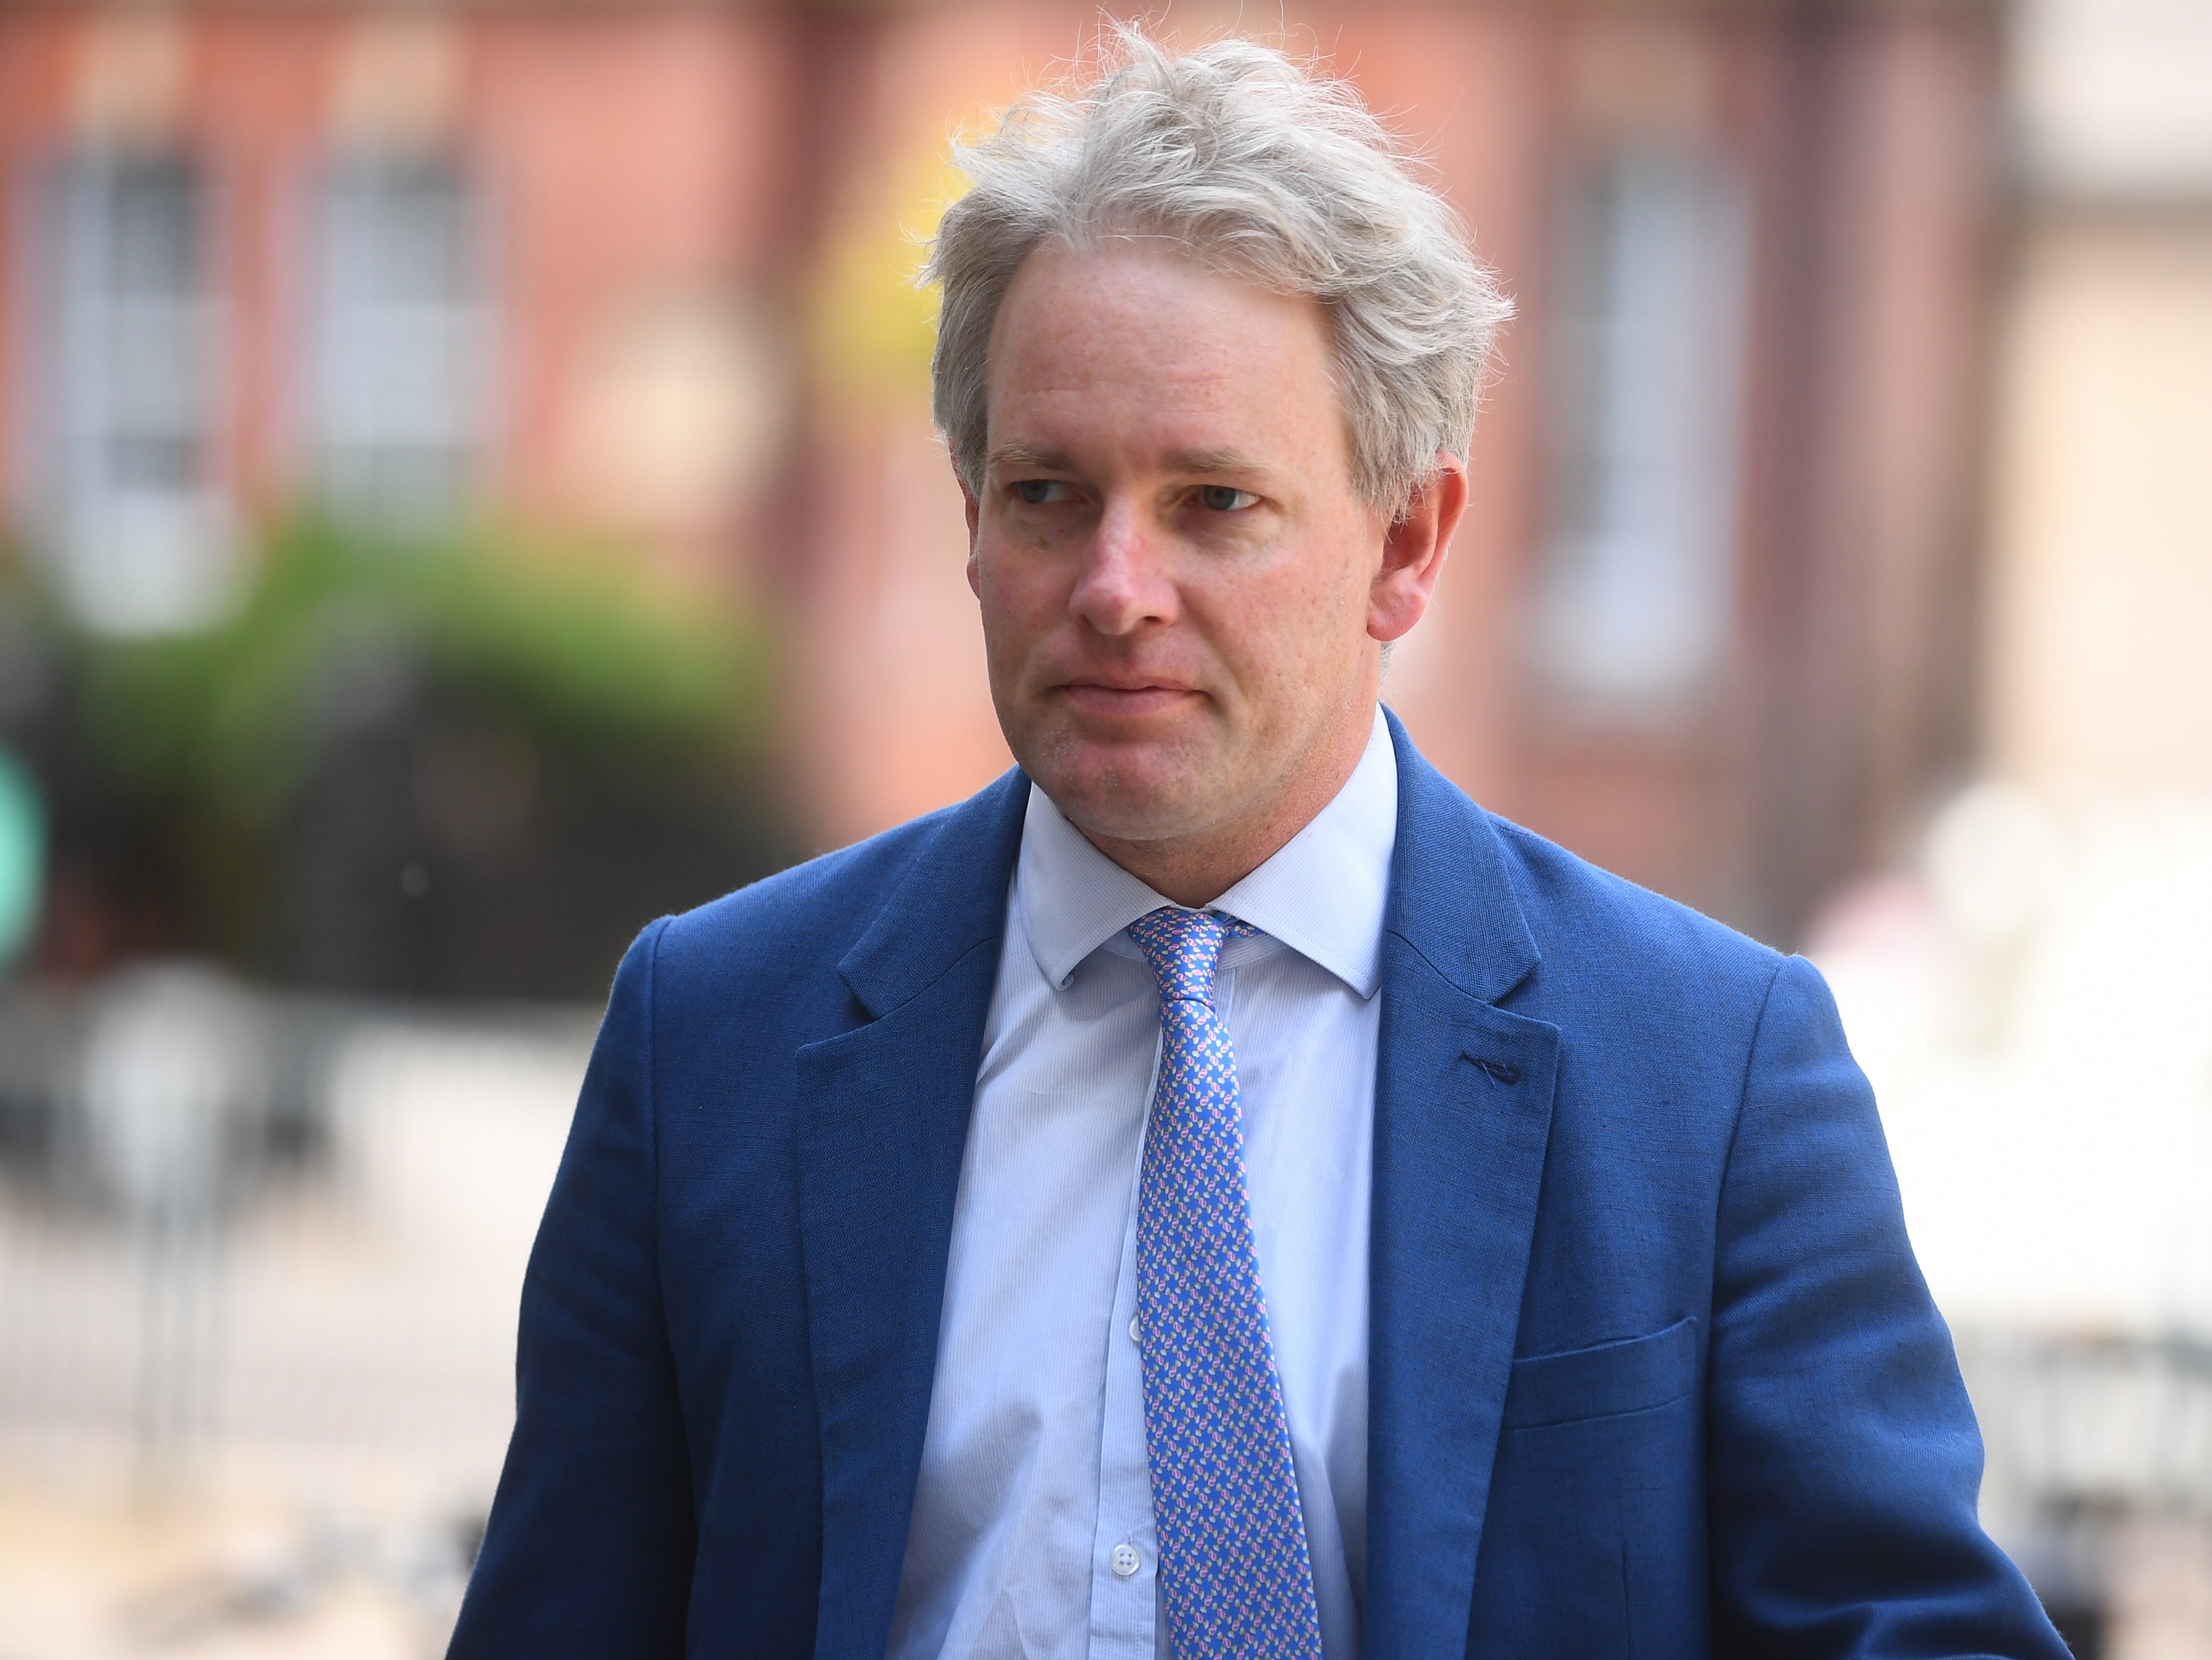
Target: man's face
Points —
{"points": [[1176, 574]]}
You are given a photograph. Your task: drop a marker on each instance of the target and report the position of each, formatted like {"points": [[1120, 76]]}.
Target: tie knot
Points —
{"points": [[1184, 946]]}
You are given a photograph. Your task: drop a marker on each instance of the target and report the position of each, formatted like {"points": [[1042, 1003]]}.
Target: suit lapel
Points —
{"points": [[882, 1117], [1462, 1115]]}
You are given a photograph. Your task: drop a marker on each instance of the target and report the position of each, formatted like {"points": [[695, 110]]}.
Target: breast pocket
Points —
{"points": [[1605, 1381], [1592, 1544]]}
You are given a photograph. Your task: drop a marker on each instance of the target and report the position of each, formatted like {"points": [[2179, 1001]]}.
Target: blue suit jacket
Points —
{"points": [[1652, 1371]]}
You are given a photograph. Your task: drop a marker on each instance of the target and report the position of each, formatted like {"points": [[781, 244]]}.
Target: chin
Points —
{"points": [[1110, 791]]}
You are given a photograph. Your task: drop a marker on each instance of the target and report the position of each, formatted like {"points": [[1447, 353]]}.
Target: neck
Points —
{"points": [[1197, 869]]}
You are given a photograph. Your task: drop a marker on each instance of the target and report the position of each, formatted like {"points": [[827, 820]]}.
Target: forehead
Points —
{"points": [[1136, 347]]}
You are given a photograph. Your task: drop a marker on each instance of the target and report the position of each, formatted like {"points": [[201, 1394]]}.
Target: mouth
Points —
{"points": [[1124, 699]]}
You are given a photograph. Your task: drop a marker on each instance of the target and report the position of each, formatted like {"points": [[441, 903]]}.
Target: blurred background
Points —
{"points": [[466, 488]]}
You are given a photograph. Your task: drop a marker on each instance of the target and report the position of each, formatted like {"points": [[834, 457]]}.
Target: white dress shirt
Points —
{"points": [[1032, 1533]]}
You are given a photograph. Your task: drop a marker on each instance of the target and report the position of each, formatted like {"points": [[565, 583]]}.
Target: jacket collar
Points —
{"points": [[1322, 893], [1452, 898], [952, 899]]}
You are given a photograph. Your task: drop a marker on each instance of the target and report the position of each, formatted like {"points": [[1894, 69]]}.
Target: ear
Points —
{"points": [[968, 504], [1413, 549]]}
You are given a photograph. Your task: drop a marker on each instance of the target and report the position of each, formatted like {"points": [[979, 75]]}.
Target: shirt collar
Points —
{"points": [[1322, 894]]}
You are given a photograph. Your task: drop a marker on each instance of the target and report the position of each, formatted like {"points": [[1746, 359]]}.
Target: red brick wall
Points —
{"points": [[769, 157]]}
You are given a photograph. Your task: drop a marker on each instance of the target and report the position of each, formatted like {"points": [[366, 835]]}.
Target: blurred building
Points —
{"points": [[644, 268], [401, 259], [2067, 897], [2101, 545], [1848, 447], [2032, 996]]}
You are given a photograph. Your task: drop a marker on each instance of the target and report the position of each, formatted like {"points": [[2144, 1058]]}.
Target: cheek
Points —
{"points": [[1342, 589], [1020, 598], [1269, 632], [1319, 610], [1300, 638]]}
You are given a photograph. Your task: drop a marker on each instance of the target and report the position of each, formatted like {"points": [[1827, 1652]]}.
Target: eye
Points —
{"points": [[1221, 498], [1041, 492]]}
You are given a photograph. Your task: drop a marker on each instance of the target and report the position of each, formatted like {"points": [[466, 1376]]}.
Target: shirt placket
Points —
{"points": [[1124, 1555], [1124, 1559]]}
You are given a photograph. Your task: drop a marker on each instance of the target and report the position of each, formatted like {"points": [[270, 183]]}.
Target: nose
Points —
{"points": [[1124, 582]]}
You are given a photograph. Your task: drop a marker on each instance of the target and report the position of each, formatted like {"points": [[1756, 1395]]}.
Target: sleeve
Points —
{"points": [[589, 1547], [1843, 1458]]}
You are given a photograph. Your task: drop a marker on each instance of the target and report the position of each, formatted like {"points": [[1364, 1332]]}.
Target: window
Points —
{"points": [[128, 392], [397, 366], [1635, 593]]}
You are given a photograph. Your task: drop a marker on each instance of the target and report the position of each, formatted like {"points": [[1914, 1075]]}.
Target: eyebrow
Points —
{"points": [[1184, 461], [1029, 455], [1216, 460]]}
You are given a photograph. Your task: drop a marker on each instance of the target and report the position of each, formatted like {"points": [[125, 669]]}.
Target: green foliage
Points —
{"points": [[569, 646], [471, 768]]}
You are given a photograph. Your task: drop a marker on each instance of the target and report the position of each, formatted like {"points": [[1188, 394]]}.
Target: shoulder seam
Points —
{"points": [[657, 931], [1743, 1086]]}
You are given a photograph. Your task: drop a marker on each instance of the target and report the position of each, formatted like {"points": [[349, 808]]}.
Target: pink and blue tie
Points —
{"points": [[1233, 1569]]}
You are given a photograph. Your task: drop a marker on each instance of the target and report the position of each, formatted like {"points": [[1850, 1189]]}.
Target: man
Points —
{"points": [[1219, 1191]]}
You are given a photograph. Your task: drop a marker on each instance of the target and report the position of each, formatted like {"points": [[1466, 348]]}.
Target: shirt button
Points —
{"points": [[1124, 1560], [1133, 1338]]}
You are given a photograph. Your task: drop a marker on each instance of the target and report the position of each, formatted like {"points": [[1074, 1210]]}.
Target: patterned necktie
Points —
{"points": [[1233, 1569]]}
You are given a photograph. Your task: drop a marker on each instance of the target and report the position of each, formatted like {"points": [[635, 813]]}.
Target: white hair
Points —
{"points": [[1253, 165]]}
